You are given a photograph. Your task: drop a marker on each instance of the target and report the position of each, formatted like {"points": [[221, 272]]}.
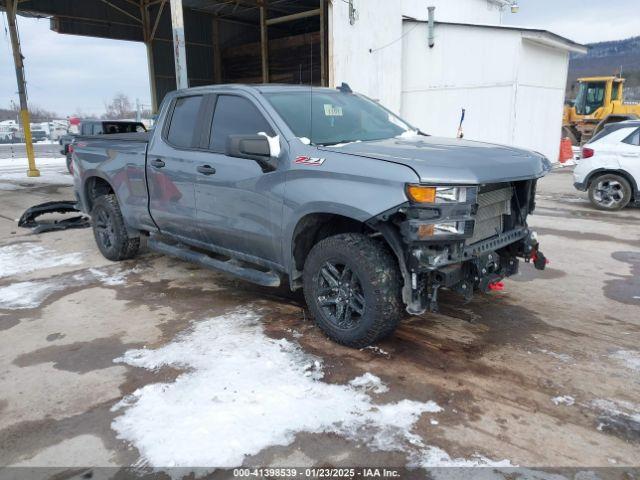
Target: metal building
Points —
{"points": [[380, 47]]}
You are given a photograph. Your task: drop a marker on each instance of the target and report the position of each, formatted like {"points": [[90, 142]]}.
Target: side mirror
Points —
{"points": [[251, 147]]}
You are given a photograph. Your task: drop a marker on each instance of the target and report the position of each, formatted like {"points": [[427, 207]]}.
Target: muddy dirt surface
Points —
{"points": [[543, 374]]}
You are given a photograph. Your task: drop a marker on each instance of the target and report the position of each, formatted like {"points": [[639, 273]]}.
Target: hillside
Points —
{"points": [[606, 58]]}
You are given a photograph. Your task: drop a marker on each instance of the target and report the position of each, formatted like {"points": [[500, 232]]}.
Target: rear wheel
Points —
{"points": [[609, 192], [110, 231], [352, 286]]}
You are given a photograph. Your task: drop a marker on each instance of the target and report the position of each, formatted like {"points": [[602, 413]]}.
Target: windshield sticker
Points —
{"points": [[311, 161], [332, 110]]}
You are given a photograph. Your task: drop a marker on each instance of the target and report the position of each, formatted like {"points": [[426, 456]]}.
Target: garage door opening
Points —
{"points": [[231, 41]]}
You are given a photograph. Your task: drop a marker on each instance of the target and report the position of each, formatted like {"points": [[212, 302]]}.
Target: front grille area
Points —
{"points": [[492, 205]]}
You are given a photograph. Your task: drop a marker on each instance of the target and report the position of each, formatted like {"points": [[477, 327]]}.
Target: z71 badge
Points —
{"points": [[311, 161]]}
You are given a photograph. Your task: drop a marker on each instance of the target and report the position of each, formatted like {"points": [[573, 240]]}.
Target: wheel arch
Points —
{"points": [[314, 226], [95, 186]]}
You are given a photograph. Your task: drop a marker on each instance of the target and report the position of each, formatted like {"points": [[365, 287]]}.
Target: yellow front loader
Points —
{"points": [[600, 100]]}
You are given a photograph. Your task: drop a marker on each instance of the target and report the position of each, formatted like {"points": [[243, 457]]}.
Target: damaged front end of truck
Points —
{"points": [[462, 238]]}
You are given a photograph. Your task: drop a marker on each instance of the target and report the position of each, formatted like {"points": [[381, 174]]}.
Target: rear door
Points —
{"points": [[172, 159], [239, 205]]}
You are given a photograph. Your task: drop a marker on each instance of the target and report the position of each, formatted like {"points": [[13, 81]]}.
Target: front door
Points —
{"points": [[172, 161], [239, 206]]}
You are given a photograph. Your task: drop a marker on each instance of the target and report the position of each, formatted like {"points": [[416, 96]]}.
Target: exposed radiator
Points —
{"points": [[491, 207]]}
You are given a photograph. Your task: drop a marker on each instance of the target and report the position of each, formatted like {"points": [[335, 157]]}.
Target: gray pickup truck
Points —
{"points": [[321, 188]]}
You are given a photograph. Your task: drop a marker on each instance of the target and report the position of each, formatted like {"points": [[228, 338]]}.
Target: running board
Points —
{"points": [[266, 279]]}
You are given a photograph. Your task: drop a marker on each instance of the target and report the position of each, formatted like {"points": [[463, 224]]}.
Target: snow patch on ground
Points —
{"points": [[31, 294], [112, 278], [377, 350], [28, 257], [369, 382], [567, 400], [243, 391], [434, 457], [558, 356], [26, 294], [53, 171], [630, 358], [618, 415]]}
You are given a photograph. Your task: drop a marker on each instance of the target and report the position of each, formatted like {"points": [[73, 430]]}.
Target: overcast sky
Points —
{"points": [[69, 74], [585, 21]]}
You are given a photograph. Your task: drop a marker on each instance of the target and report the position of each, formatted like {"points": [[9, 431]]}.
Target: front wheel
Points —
{"points": [[110, 231], [352, 286], [610, 192]]}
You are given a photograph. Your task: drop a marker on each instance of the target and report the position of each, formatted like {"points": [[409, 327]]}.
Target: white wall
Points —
{"points": [[542, 77], [368, 54], [470, 68], [375, 73], [512, 88]]}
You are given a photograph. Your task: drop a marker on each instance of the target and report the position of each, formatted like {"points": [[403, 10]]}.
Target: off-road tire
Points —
{"points": [[625, 190], [106, 214], [376, 268]]}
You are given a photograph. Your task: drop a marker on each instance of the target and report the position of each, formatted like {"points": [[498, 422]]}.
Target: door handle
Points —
{"points": [[630, 154], [157, 163], [206, 169]]}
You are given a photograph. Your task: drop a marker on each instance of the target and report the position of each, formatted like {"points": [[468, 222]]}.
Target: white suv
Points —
{"points": [[609, 168]]}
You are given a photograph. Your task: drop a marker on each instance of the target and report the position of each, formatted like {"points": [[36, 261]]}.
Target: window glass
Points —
{"points": [[615, 88], [327, 118], [590, 97], [634, 138], [595, 96], [182, 130], [87, 129], [235, 115]]}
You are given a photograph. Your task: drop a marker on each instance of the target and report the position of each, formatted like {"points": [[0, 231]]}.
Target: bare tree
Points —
{"points": [[37, 114], [119, 107]]}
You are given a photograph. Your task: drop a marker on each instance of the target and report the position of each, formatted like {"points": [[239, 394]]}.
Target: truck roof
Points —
{"points": [[257, 88], [600, 79]]}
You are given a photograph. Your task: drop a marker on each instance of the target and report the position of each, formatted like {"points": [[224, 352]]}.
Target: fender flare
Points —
{"points": [[315, 208]]}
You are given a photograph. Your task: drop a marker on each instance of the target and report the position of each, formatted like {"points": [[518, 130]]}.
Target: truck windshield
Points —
{"points": [[331, 118], [590, 97]]}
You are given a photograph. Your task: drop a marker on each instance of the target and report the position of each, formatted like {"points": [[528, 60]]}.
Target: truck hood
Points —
{"points": [[452, 161]]}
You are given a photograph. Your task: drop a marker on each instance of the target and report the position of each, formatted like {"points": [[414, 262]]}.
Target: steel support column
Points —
{"points": [[264, 41], [148, 33], [179, 51], [12, 7]]}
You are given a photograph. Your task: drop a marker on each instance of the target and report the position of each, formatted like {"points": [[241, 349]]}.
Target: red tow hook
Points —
{"points": [[539, 260], [496, 286]]}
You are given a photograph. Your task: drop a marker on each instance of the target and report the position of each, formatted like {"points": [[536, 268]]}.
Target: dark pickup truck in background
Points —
{"points": [[322, 188], [98, 127]]}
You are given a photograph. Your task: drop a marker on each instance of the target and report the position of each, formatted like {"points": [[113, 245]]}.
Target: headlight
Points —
{"points": [[427, 194]]}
